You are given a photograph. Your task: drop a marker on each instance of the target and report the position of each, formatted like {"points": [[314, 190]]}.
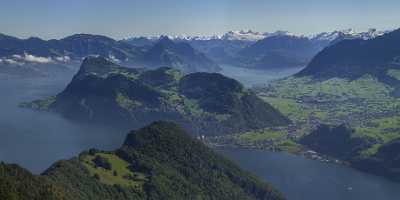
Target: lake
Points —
{"points": [[257, 77], [37, 139], [299, 178]]}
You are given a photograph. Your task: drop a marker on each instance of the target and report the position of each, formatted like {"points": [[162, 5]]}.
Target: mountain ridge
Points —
{"points": [[355, 58], [204, 103], [159, 161], [74, 48]]}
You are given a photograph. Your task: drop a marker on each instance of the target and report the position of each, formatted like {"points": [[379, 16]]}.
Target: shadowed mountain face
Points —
{"points": [[386, 162], [278, 52], [219, 50], [75, 46], [355, 58], [180, 55], [204, 103], [164, 52], [337, 141], [140, 41], [160, 161], [342, 142]]}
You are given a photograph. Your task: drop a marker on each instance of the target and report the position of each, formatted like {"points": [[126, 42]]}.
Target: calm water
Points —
{"points": [[36, 139], [303, 179], [255, 77]]}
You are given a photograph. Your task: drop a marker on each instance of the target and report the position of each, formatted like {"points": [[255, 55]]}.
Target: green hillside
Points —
{"points": [[159, 161]]}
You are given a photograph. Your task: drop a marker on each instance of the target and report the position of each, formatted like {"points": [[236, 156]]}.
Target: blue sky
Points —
{"points": [[123, 18]]}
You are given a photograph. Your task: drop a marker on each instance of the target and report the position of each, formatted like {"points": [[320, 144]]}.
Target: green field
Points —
{"points": [[118, 174], [395, 73], [365, 104]]}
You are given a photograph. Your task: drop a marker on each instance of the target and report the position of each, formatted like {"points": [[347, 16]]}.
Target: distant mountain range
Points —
{"points": [[247, 49], [278, 52], [204, 103], [16, 52], [354, 58], [179, 55], [159, 161], [251, 49], [73, 47], [250, 35]]}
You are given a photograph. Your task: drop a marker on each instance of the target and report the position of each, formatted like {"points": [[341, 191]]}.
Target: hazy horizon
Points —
{"points": [[56, 19]]}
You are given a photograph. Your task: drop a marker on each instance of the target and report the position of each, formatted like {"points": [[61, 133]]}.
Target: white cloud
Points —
{"points": [[14, 59], [17, 57], [10, 61], [37, 59], [27, 58], [63, 59], [113, 59]]}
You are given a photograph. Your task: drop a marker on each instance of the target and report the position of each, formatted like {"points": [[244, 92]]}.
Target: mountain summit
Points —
{"points": [[355, 58], [204, 103], [180, 55], [159, 161]]}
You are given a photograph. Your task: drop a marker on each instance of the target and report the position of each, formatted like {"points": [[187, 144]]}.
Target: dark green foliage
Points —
{"points": [[182, 168], [342, 142], [161, 77], [337, 141], [102, 162], [214, 92], [97, 177], [175, 166], [386, 162], [355, 58], [19, 184], [79, 184], [204, 103], [257, 114]]}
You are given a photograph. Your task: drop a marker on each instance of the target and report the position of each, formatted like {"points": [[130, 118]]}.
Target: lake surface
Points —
{"points": [[303, 179], [35, 140], [256, 77]]}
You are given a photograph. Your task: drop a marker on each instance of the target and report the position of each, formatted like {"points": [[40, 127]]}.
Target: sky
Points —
{"points": [[119, 19]]}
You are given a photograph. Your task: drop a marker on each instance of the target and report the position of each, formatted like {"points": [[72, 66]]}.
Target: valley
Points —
{"points": [[350, 118], [173, 100], [48, 143]]}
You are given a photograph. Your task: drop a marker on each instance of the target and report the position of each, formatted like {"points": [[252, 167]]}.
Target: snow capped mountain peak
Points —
{"points": [[279, 33], [249, 31], [330, 36], [348, 33], [248, 35], [372, 33], [252, 36]]}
